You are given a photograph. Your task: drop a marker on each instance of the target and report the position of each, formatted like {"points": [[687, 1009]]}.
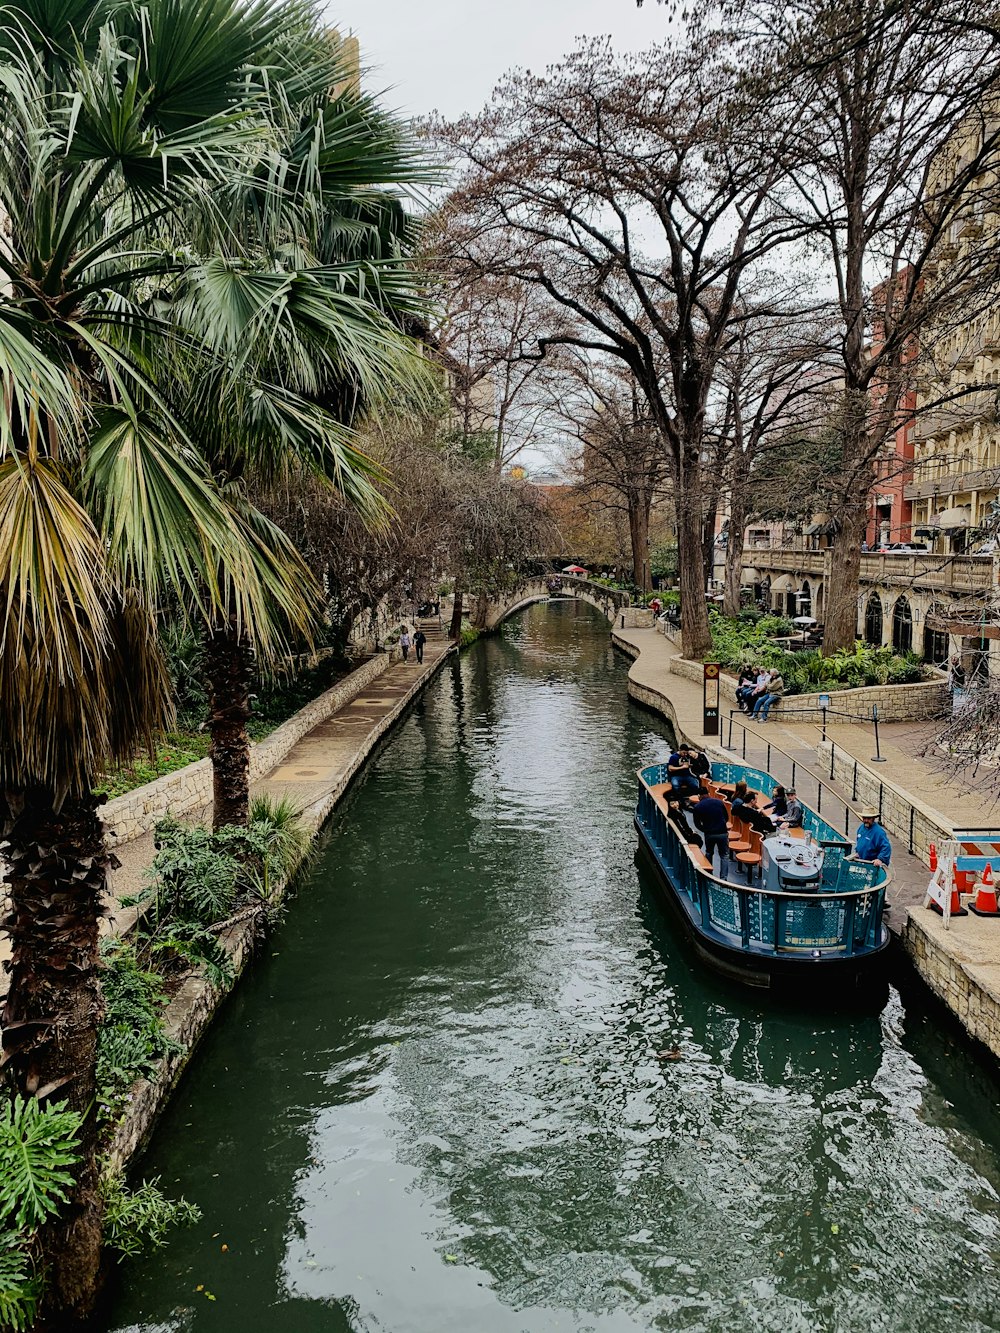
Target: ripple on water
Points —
{"points": [[441, 1105]]}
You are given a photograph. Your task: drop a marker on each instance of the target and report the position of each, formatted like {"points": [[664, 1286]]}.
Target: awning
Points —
{"points": [[925, 532], [821, 526], [749, 575], [952, 519]]}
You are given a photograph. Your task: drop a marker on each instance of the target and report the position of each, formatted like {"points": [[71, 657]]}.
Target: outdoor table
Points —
{"points": [[790, 864]]}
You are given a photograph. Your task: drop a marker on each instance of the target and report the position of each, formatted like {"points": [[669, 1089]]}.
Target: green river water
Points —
{"points": [[434, 1105]]}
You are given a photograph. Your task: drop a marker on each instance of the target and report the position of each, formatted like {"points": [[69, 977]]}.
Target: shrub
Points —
{"points": [[136, 1220], [132, 1037], [468, 634]]}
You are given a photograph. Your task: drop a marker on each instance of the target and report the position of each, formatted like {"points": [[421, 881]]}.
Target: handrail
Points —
{"points": [[797, 766], [810, 894], [860, 764]]}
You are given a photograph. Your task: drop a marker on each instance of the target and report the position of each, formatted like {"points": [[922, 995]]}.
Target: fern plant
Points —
{"points": [[138, 1219]]}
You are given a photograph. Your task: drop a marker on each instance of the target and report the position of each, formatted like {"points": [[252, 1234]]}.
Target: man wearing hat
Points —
{"points": [[872, 842]]}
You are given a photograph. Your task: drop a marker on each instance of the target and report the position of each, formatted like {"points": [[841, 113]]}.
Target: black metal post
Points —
{"points": [[877, 756]]}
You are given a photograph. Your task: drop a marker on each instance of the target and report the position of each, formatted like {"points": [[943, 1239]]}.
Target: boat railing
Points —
{"points": [[843, 915]]}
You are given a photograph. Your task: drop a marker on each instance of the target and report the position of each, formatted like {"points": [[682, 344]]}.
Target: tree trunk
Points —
{"points": [[56, 875], [734, 547], [638, 525], [229, 667], [455, 629], [696, 640], [840, 618]]}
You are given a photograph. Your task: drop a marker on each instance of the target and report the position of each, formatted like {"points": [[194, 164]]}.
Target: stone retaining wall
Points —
{"points": [[192, 1009], [974, 1002], [896, 703], [869, 788], [190, 788]]}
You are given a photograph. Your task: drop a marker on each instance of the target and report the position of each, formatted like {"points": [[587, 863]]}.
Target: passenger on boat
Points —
{"points": [[699, 763], [676, 815], [794, 815], [679, 772], [744, 806], [777, 806], [872, 842], [712, 817]]}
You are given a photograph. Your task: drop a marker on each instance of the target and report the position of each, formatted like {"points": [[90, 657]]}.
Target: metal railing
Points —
{"points": [[792, 770]]}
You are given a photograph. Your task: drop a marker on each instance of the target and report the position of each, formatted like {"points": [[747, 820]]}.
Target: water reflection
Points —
{"points": [[440, 1106]]}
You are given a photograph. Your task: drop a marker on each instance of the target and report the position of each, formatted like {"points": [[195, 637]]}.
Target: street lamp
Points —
{"points": [[824, 703], [877, 757]]}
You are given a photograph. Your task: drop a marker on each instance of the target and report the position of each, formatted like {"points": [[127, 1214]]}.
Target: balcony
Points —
{"points": [[956, 573], [953, 483]]}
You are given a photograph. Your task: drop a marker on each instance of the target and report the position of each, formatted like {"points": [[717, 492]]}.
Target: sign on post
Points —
{"points": [[710, 725]]}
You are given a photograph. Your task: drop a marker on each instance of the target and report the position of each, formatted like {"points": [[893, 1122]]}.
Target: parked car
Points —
{"points": [[903, 548]]}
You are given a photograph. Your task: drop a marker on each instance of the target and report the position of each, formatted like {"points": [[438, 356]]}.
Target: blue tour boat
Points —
{"points": [[801, 913]]}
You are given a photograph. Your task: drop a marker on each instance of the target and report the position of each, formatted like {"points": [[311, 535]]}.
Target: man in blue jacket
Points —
{"points": [[872, 842]]}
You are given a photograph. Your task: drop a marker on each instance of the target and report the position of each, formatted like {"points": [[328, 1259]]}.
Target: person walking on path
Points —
{"points": [[404, 642], [872, 842], [772, 692], [419, 639], [712, 818]]}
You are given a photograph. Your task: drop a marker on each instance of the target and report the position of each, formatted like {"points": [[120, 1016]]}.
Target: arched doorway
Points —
{"points": [[873, 621], [902, 626], [936, 641]]}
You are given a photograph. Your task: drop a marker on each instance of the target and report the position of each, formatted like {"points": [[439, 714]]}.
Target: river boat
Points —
{"points": [[802, 915]]}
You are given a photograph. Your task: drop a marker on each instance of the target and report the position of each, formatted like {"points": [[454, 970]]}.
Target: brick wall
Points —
{"points": [[976, 1007]]}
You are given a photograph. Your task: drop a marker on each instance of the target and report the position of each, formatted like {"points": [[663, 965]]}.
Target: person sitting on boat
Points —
{"points": [[712, 817], [773, 691], [744, 806], [872, 842], [676, 815], [698, 762], [777, 806], [679, 772], [794, 815]]}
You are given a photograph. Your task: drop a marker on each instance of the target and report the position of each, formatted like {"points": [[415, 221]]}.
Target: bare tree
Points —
{"points": [[622, 463], [636, 193], [891, 168]]}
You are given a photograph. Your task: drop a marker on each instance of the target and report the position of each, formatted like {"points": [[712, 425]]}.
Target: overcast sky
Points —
{"points": [[447, 55]]}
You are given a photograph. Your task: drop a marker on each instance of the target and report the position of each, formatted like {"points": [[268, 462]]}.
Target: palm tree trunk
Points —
{"points": [[229, 667], [57, 867]]}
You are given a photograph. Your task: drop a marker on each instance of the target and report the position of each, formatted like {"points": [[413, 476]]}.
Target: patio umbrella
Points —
{"points": [[575, 569]]}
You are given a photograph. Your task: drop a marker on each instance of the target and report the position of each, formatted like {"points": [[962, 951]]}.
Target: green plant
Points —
{"points": [[138, 1219], [194, 872], [20, 1287], [468, 635], [278, 835], [38, 1145], [132, 1037]]}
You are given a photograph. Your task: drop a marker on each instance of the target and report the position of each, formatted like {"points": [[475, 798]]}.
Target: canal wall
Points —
{"points": [[190, 788], [191, 1010], [961, 965]]}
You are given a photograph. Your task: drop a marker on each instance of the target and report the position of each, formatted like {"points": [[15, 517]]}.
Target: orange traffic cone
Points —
{"points": [[986, 896], [932, 856]]}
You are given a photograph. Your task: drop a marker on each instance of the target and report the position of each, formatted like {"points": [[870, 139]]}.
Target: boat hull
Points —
{"points": [[830, 975]]}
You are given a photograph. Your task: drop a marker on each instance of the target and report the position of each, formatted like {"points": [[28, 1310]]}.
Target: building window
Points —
{"points": [[902, 626], [873, 620]]}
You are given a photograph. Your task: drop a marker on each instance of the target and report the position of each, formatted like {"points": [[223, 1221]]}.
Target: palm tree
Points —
{"points": [[126, 129]]}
